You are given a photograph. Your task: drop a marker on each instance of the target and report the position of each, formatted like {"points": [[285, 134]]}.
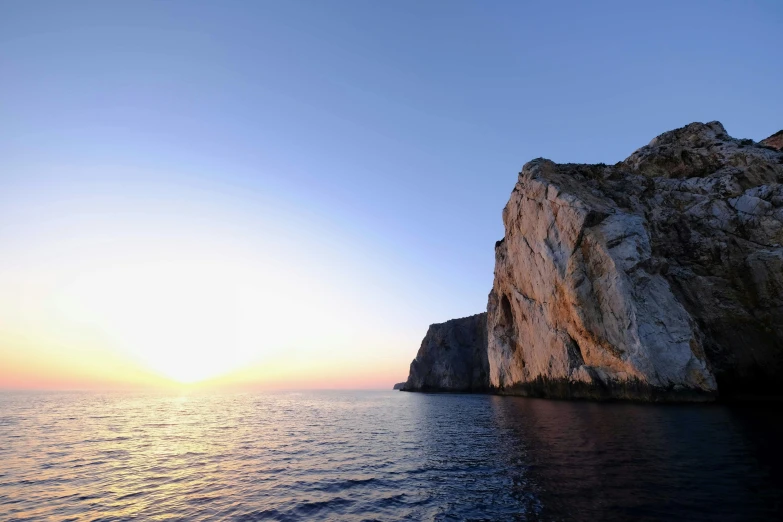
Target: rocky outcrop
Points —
{"points": [[452, 357], [399, 386], [775, 141], [658, 278]]}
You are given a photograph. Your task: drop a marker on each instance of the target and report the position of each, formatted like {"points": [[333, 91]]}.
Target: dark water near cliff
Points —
{"points": [[382, 456]]}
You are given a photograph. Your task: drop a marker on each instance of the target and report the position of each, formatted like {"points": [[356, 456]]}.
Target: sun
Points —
{"points": [[187, 320]]}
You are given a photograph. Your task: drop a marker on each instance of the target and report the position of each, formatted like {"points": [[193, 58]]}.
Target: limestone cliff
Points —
{"points": [[452, 357], [658, 278]]}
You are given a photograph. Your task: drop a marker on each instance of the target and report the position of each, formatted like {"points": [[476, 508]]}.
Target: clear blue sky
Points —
{"points": [[374, 143]]}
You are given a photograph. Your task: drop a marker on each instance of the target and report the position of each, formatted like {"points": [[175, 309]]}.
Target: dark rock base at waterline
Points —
{"points": [[633, 390]]}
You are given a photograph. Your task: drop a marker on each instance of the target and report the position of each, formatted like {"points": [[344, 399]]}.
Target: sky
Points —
{"points": [[286, 194]]}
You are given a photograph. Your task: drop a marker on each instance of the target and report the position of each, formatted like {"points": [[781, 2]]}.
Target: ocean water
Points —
{"points": [[383, 456]]}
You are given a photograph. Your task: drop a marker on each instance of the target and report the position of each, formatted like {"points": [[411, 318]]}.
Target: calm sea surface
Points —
{"points": [[383, 456]]}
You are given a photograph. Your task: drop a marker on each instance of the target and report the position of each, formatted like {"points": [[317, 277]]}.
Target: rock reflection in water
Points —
{"points": [[620, 461]]}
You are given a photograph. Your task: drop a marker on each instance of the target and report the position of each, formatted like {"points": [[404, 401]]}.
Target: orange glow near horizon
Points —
{"points": [[86, 362], [188, 290], [186, 316], [18, 377]]}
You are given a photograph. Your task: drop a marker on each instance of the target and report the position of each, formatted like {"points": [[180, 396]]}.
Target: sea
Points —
{"points": [[383, 455]]}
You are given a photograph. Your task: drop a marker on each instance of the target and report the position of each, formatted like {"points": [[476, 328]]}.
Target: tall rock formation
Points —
{"points": [[658, 278], [452, 357]]}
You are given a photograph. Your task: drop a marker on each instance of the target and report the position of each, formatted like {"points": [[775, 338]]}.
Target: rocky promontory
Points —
{"points": [[657, 278], [452, 357]]}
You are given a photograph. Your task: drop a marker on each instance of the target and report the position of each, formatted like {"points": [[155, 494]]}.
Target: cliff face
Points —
{"points": [[660, 277], [452, 357]]}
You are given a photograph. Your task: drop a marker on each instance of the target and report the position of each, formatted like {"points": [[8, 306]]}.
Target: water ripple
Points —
{"points": [[381, 456]]}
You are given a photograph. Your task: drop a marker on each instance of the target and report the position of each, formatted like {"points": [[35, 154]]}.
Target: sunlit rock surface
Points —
{"points": [[775, 141], [452, 357], [658, 278]]}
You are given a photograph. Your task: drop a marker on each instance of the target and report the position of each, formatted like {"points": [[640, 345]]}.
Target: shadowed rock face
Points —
{"points": [[452, 357], [658, 278]]}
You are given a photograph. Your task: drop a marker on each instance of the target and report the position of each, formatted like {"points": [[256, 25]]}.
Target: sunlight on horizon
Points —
{"points": [[188, 296], [189, 321]]}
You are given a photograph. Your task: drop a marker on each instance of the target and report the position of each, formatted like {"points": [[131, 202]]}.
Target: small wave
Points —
{"points": [[392, 501], [311, 508], [86, 464], [204, 500], [266, 514], [342, 485], [131, 495], [29, 482]]}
